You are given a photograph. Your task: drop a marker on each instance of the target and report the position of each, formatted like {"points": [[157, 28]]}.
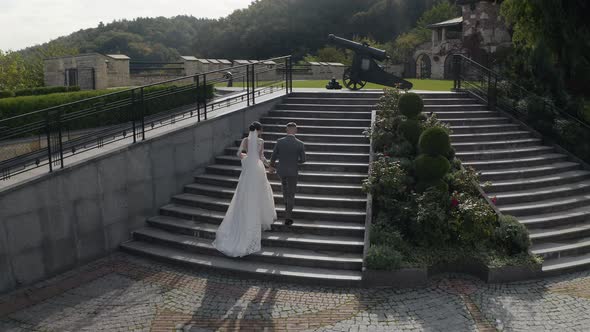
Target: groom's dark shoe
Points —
{"points": [[288, 222]]}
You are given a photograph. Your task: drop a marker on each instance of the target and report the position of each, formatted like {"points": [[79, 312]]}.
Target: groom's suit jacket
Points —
{"points": [[290, 152]]}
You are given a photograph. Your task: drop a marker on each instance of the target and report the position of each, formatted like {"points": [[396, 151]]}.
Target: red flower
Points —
{"points": [[454, 202], [494, 200]]}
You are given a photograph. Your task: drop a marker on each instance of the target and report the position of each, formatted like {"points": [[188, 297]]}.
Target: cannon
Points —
{"points": [[365, 67]]}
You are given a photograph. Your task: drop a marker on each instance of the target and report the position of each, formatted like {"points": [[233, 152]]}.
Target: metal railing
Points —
{"points": [[497, 92], [48, 137]]}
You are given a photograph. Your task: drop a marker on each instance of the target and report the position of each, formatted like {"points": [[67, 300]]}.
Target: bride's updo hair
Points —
{"points": [[255, 126]]}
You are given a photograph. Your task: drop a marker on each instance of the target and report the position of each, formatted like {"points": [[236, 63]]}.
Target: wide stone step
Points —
{"points": [[318, 156], [312, 166], [486, 137], [449, 101], [327, 107], [556, 219], [339, 201], [319, 188], [306, 176], [317, 129], [322, 115], [496, 145], [462, 129], [538, 160], [477, 121], [323, 147], [299, 212], [274, 239], [364, 123], [333, 101], [527, 172], [538, 182], [337, 94], [546, 206], [244, 268], [541, 194], [553, 250], [320, 138], [567, 264], [560, 233], [459, 112], [503, 153]]}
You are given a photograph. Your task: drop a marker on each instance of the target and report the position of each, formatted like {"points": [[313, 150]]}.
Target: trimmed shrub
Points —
{"points": [[6, 94], [512, 236], [383, 257], [410, 130], [411, 105], [430, 169], [439, 185], [435, 141]]}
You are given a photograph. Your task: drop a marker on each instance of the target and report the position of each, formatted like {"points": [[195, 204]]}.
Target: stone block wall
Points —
{"points": [[57, 221]]}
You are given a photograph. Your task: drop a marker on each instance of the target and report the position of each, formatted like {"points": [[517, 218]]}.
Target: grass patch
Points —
{"points": [[430, 85]]}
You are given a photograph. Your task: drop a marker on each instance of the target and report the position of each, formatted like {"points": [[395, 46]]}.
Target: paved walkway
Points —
{"points": [[125, 293]]}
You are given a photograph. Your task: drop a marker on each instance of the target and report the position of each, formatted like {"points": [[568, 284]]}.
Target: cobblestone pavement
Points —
{"points": [[126, 293]]}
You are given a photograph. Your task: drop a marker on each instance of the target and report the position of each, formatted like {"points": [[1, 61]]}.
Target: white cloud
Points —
{"points": [[26, 23]]}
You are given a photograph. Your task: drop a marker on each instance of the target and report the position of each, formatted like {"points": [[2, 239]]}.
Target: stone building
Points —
{"points": [[89, 71], [480, 33]]}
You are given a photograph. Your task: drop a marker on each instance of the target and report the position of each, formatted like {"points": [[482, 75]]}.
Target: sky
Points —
{"points": [[25, 23]]}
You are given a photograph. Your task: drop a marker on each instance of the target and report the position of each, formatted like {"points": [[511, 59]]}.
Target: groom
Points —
{"points": [[290, 152]]}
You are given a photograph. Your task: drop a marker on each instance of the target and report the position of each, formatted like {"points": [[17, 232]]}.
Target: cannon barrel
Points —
{"points": [[376, 53]]}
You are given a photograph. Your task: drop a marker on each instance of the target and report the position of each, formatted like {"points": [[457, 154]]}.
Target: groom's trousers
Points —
{"points": [[289, 184]]}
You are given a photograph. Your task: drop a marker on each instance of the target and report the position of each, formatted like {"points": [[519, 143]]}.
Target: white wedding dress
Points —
{"points": [[252, 209]]}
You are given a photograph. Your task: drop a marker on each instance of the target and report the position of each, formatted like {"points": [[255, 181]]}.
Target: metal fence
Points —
{"points": [[48, 137]]}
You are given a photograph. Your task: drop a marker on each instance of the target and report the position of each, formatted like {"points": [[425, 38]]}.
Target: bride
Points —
{"points": [[252, 209]]}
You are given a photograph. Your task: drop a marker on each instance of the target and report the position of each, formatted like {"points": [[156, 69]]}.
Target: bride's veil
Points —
{"points": [[253, 147]]}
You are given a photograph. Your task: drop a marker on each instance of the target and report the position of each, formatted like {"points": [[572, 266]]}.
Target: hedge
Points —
{"points": [[155, 103], [38, 91]]}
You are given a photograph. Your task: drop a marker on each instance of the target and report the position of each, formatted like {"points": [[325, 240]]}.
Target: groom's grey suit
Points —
{"points": [[290, 152]]}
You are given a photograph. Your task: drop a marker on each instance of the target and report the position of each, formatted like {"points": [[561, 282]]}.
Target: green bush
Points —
{"points": [[512, 236], [429, 168], [432, 218], [540, 115], [45, 90], [411, 105], [410, 130], [6, 94], [439, 185], [386, 180], [435, 141], [383, 257], [473, 219], [383, 233]]}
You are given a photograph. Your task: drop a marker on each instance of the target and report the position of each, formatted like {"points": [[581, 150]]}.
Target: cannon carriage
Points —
{"points": [[365, 68]]}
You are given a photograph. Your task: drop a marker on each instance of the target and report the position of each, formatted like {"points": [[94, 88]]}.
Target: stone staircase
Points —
{"points": [[325, 244], [543, 189]]}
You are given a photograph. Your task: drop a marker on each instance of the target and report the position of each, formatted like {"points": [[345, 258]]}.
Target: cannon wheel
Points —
{"points": [[350, 83]]}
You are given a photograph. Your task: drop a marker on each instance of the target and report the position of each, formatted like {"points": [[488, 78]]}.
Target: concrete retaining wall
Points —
{"points": [[55, 222]]}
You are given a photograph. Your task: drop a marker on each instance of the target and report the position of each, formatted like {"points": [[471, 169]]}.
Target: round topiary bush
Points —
{"points": [[410, 105], [383, 257], [512, 236], [435, 141], [439, 184], [410, 130], [431, 168]]}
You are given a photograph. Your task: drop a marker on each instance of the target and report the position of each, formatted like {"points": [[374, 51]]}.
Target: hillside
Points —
{"points": [[266, 28]]}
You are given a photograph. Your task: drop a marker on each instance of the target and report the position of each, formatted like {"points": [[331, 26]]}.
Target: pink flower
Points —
{"points": [[454, 202], [494, 200]]}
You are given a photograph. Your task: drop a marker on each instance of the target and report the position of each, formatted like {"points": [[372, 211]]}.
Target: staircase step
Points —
{"points": [[458, 112], [449, 101], [486, 137], [360, 123], [477, 121], [334, 101], [244, 268], [299, 212], [503, 153], [545, 193], [337, 94], [538, 160], [300, 199], [337, 177], [323, 115], [560, 233], [320, 138], [323, 147], [311, 166], [496, 145], [280, 128], [320, 188], [552, 250], [546, 206], [566, 264], [538, 182], [327, 107], [483, 128], [318, 156], [557, 219], [527, 172]]}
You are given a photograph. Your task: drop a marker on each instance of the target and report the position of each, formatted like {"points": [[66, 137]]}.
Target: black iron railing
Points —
{"points": [[489, 86], [48, 137]]}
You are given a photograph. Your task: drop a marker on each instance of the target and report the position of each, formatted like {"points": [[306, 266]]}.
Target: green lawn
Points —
{"points": [[432, 85]]}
